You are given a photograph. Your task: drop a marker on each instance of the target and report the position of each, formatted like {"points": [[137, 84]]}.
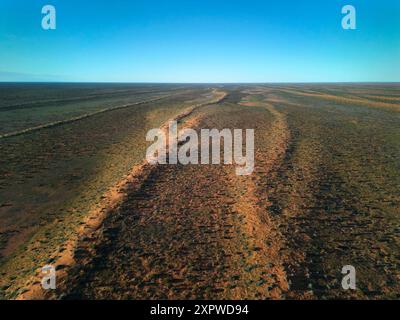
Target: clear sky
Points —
{"points": [[200, 41]]}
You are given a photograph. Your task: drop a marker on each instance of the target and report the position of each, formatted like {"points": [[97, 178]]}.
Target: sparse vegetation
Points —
{"points": [[324, 193]]}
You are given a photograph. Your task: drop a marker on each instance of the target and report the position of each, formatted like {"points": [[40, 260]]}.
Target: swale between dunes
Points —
{"points": [[183, 147]]}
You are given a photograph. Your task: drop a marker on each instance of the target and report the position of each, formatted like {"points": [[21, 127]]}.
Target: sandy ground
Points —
{"points": [[284, 232]]}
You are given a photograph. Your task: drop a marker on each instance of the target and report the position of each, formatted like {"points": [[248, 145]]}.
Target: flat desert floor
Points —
{"points": [[76, 193]]}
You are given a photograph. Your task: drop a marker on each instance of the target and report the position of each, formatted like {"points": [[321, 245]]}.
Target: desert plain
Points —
{"points": [[76, 192]]}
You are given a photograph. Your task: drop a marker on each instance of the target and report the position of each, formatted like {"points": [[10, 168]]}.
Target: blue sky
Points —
{"points": [[200, 41]]}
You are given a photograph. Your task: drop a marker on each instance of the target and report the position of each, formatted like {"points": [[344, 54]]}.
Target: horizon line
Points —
{"points": [[157, 82]]}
